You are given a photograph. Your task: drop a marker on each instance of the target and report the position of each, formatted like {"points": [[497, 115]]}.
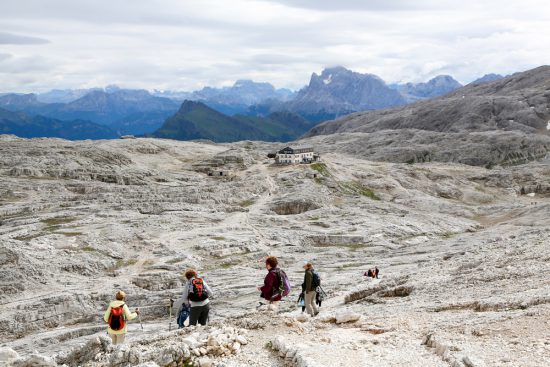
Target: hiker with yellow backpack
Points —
{"points": [[116, 316]]}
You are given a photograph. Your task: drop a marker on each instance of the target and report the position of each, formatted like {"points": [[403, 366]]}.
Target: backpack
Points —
{"points": [[197, 293], [284, 284], [316, 281], [183, 314], [116, 318]]}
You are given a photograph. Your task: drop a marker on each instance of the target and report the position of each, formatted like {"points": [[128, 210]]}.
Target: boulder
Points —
{"points": [[347, 316], [7, 355], [205, 362], [34, 361]]}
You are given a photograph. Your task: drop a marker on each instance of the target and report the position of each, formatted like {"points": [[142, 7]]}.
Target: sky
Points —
{"points": [[186, 45]]}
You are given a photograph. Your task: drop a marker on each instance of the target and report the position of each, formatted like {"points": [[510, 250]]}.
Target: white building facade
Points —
{"points": [[296, 155]]}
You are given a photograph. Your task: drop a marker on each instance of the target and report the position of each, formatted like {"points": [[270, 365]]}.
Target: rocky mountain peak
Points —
{"points": [[487, 78], [188, 106], [439, 85], [248, 84], [18, 99], [338, 90], [443, 80]]}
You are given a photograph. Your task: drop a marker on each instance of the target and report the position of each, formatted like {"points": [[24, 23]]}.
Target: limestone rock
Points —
{"points": [[205, 362], [7, 355], [34, 361], [467, 362], [347, 316]]}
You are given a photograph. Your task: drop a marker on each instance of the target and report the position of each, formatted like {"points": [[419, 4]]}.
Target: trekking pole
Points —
{"points": [[139, 318], [170, 322]]}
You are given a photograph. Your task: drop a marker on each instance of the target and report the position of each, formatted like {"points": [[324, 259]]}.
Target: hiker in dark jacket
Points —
{"points": [[199, 304], [271, 283], [309, 289]]}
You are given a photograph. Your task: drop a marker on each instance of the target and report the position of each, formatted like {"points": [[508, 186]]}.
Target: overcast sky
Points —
{"points": [[185, 45]]}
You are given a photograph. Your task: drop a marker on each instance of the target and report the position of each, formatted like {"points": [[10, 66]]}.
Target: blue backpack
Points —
{"points": [[316, 282], [183, 314]]}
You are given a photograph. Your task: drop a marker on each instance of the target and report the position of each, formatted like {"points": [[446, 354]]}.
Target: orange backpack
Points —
{"points": [[116, 318]]}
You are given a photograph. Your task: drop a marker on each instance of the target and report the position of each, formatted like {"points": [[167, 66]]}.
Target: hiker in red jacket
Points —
{"points": [[271, 283]]}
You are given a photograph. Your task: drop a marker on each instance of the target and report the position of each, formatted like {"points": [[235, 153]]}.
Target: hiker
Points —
{"points": [[276, 284], [116, 316], [321, 295], [372, 273], [309, 288], [196, 294]]}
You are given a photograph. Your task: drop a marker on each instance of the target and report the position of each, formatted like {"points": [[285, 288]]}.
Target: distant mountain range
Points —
{"points": [[195, 120], [505, 121], [438, 86], [123, 110], [339, 91], [23, 125], [335, 92]]}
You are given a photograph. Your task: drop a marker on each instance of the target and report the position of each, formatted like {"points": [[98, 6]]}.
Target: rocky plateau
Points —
{"points": [[463, 253]]}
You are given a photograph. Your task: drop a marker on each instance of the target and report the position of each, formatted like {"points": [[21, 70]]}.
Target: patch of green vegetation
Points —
{"points": [[197, 118], [351, 265], [52, 229], [246, 203], [448, 234], [320, 224], [174, 260], [227, 265], [147, 262], [89, 249], [321, 168], [218, 238], [356, 246], [354, 187], [27, 238], [315, 217], [58, 221], [121, 263], [269, 345], [70, 234]]}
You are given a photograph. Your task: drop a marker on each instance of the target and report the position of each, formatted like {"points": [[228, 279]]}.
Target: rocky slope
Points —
{"points": [[464, 256], [468, 122]]}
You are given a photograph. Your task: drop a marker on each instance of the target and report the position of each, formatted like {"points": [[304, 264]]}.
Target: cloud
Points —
{"points": [[4, 56], [187, 44], [365, 5], [15, 39]]}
